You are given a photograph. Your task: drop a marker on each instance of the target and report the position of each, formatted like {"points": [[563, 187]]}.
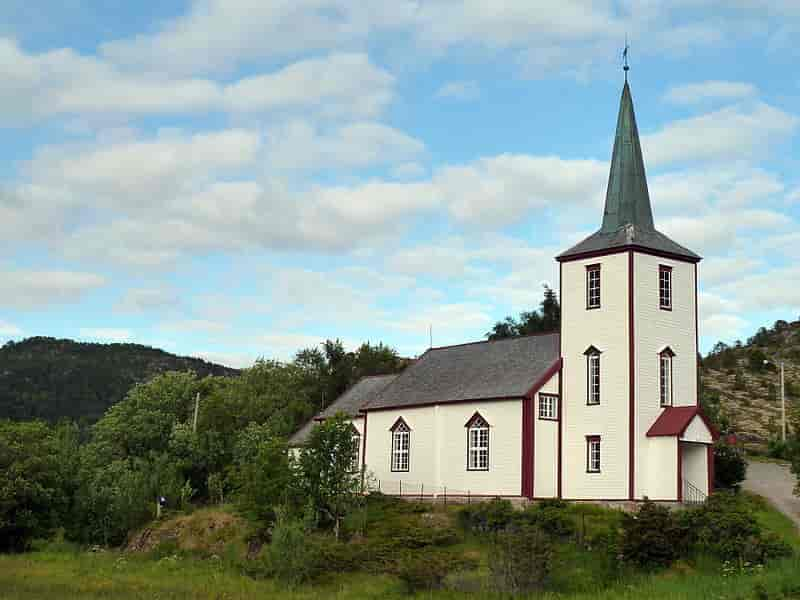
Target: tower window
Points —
{"points": [[592, 453], [665, 376], [593, 286], [548, 407], [477, 443], [665, 287], [592, 375], [401, 437]]}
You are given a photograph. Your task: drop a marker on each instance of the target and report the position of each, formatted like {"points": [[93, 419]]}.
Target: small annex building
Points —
{"points": [[606, 409]]}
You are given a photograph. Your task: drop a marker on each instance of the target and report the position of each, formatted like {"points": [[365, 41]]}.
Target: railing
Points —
{"points": [[419, 490], [692, 494]]}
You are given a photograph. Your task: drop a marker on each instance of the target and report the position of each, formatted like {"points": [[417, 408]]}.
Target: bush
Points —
{"points": [[779, 449], [726, 527], [425, 572], [293, 557], [650, 537], [486, 516], [551, 516], [730, 466], [521, 559]]}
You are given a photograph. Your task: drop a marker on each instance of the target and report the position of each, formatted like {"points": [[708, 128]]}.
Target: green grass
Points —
{"points": [[60, 572], [110, 575]]}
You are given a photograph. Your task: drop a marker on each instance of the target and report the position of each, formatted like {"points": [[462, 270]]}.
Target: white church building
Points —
{"points": [[606, 409]]}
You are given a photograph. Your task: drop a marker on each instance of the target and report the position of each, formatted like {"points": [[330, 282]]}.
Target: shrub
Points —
{"points": [[486, 516], [730, 466], [521, 559], [726, 527], [424, 572], [649, 537], [779, 449], [292, 556], [551, 516]]}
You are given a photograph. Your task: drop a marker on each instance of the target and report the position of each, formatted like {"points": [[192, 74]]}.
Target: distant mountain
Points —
{"points": [[48, 378], [745, 391]]}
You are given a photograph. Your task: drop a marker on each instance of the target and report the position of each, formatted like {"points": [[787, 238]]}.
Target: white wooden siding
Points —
{"points": [[695, 465], [660, 474], [654, 329], [606, 328], [438, 449], [545, 453], [697, 431]]}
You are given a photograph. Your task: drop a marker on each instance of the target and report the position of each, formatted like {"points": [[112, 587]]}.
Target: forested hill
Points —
{"points": [[48, 378], [743, 391]]}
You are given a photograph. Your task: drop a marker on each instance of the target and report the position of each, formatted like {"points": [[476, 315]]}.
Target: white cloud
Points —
{"points": [[722, 327], [459, 90], [695, 93], [337, 85], [147, 170], [720, 270], [299, 145], [725, 134], [64, 82], [7, 330], [715, 231], [106, 334], [147, 299], [30, 289], [501, 189], [770, 289]]}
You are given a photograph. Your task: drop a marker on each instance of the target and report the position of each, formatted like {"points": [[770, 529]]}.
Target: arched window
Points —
{"points": [[477, 443], [592, 375], [356, 449], [401, 445], [665, 376]]}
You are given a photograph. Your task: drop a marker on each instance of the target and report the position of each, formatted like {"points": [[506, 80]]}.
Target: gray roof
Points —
{"points": [[628, 215], [350, 403], [478, 371]]}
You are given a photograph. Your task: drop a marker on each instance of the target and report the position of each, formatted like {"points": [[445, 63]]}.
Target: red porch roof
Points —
{"points": [[675, 419]]}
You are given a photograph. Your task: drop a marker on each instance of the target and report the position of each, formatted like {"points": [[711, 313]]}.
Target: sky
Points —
{"points": [[235, 179]]}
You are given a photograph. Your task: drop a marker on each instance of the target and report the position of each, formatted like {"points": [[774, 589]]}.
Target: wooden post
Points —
{"points": [[401, 487], [421, 491], [196, 411], [445, 495]]}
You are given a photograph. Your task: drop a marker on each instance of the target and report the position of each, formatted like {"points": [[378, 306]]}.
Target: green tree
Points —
{"points": [[544, 320], [261, 475], [328, 476], [33, 485], [730, 466]]}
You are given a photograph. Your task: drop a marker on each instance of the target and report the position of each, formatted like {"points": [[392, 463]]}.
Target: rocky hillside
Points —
{"points": [[745, 392], [49, 378]]}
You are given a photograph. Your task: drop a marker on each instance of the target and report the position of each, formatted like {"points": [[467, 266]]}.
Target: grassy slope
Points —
{"points": [[66, 575]]}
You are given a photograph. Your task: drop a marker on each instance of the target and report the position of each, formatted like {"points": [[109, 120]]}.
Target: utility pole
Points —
{"points": [[783, 408], [196, 412], [783, 399]]}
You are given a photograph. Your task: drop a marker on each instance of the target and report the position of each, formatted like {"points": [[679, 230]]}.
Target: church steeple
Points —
{"points": [[627, 198], [628, 216]]}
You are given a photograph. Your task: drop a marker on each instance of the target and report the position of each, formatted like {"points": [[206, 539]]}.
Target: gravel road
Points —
{"points": [[774, 482]]}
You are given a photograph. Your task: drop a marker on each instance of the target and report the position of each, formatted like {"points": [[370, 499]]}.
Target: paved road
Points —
{"points": [[774, 482]]}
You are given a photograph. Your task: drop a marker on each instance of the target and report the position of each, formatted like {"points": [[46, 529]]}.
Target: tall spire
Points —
{"points": [[627, 198]]}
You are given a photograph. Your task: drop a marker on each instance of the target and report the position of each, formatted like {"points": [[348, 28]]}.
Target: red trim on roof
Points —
{"points": [[625, 248], [546, 376], [674, 420]]}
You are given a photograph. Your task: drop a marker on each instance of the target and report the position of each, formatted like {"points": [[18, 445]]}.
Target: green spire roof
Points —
{"points": [[627, 199], [628, 217]]}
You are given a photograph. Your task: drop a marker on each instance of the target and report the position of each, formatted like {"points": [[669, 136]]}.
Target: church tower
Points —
{"points": [[630, 424]]}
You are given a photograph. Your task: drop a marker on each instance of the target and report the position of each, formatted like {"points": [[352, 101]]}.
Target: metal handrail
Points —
{"points": [[692, 494]]}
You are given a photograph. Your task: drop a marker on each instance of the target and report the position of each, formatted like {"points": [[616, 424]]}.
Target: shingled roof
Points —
{"points": [[628, 216], [350, 403], [478, 371]]}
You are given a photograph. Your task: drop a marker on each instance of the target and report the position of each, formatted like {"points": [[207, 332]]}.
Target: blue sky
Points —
{"points": [[234, 179]]}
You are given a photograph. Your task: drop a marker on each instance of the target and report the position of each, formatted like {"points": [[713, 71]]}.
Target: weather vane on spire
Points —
{"points": [[625, 66]]}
